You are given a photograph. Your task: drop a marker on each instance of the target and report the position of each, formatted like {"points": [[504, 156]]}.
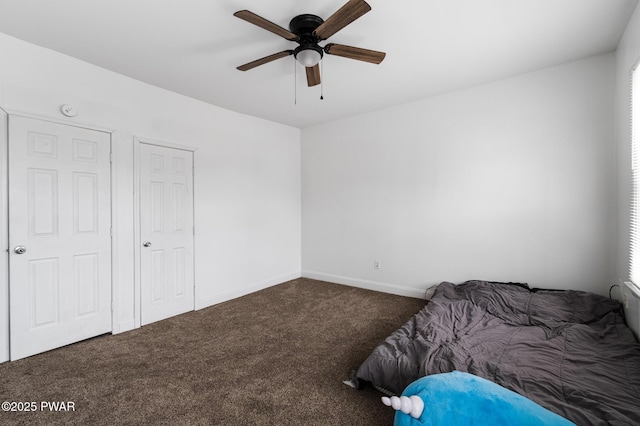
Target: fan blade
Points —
{"points": [[313, 75], [265, 24], [265, 60], [357, 53], [348, 13]]}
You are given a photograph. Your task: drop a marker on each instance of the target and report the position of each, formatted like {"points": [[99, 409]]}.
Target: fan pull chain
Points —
{"points": [[322, 82], [295, 80]]}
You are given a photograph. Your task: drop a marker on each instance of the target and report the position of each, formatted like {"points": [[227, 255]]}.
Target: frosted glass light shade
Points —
{"points": [[308, 57]]}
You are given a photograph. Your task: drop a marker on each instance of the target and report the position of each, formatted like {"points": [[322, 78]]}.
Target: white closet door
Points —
{"points": [[166, 232], [59, 233]]}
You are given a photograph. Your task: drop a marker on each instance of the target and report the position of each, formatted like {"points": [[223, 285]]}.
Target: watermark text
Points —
{"points": [[53, 406]]}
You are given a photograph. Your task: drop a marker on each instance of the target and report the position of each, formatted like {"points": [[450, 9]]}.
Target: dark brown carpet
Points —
{"points": [[274, 357]]}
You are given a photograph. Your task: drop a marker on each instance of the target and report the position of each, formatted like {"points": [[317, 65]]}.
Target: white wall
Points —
{"points": [[247, 178], [509, 181], [627, 55]]}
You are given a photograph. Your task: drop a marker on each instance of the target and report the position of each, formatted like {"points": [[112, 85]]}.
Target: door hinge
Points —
{"points": [[111, 157], [111, 232]]}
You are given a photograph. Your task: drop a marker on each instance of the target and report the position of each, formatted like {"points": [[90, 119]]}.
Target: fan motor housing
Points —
{"points": [[304, 26]]}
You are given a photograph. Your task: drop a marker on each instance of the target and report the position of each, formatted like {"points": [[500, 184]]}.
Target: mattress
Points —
{"points": [[568, 351]]}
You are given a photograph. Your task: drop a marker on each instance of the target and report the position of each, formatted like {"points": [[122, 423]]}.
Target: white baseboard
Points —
{"points": [[399, 290], [236, 292]]}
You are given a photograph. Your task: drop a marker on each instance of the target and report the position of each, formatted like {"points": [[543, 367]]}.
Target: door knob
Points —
{"points": [[146, 244], [20, 249]]}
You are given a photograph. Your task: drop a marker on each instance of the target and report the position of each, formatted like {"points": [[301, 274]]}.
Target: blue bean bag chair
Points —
{"points": [[457, 398]]}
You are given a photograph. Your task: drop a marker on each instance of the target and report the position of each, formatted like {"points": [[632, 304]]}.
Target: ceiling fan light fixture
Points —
{"points": [[308, 55], [307, 31]]}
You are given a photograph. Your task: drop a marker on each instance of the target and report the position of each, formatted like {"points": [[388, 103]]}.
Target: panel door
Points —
{"points": [[59, 234], [166, 232]]}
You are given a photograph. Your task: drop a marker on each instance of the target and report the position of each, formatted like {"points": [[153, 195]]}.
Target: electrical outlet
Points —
{"points": [[376, 265]]}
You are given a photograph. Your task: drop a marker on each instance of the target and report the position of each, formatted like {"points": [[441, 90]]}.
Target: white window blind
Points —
{"points": [[634, 261]]}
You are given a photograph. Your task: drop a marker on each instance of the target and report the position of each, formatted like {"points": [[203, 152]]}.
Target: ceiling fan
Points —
{"points": [[308, 30]]}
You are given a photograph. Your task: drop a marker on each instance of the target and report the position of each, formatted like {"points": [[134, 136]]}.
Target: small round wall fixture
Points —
{"points": [[68, 110]]}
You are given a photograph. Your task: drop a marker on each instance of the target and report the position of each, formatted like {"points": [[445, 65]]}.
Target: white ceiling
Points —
{"points": [[433, 46]]}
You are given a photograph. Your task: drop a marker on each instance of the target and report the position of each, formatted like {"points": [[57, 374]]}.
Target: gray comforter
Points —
{"points": [[568, 351]]}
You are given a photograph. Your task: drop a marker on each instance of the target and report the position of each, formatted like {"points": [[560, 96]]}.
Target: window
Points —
{"points": [[634, 261]]}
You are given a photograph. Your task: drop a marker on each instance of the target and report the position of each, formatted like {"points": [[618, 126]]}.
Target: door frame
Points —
{"points": [[137, 141], [5, 336], [4, 236]]}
